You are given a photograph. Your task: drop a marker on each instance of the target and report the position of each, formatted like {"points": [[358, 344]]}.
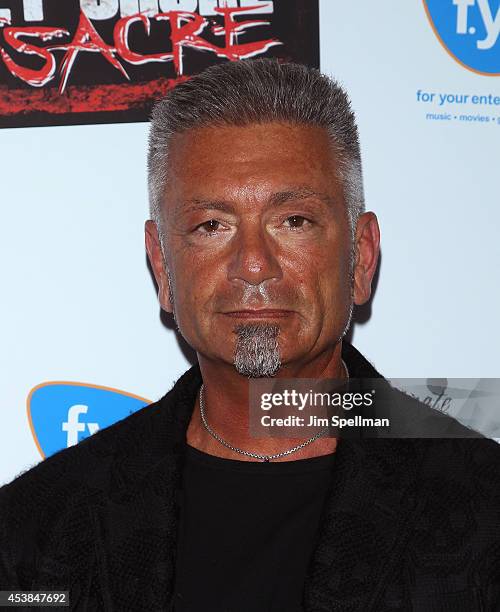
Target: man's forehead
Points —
{"points": [[227, 146], [269, 161]]}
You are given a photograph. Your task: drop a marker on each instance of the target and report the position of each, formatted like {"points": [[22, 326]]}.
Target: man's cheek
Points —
{"points": [[197, 300]]}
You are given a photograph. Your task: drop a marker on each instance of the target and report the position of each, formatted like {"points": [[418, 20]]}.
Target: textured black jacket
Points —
{"points": [[408, 525]]}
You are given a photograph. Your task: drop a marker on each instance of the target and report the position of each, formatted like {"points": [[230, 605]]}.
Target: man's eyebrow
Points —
{"points": [[301, 193], [197, 204], [276, 199]]}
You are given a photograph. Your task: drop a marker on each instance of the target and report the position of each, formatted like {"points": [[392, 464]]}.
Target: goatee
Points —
{"points": [[257, 352]]}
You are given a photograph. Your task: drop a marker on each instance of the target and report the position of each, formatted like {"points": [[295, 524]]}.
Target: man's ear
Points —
{"points": [[158, 264], [367, 247]]}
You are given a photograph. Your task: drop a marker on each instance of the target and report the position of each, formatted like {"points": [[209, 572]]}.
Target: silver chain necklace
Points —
{"points": [[257, 455]]}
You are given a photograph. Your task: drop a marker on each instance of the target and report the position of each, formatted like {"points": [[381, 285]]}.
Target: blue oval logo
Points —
{"points": [[61, 414], [470, 31]]}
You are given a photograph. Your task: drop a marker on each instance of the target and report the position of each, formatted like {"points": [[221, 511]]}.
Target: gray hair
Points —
{"points": [[257, 352], [256, 91]]}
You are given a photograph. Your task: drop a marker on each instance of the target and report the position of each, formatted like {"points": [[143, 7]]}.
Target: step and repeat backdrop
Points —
{"points": [[82, 339]]}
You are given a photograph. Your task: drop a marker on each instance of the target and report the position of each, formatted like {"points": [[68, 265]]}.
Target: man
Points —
{"points": [[260, 246]]}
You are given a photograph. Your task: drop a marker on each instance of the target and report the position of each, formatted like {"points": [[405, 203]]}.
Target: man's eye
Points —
{"points": [[297, 221], [209, 227]]}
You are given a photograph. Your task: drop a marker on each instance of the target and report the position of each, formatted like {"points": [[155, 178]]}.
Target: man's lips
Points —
{"points": [[260, 313]]}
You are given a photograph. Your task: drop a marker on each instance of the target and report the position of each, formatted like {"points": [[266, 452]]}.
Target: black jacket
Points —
{"points": [[409, 525]]}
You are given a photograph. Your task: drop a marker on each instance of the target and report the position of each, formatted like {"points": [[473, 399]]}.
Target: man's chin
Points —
{"points": [[256, 373]]}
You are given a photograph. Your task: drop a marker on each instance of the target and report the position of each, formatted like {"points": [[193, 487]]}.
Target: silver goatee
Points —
{"points": [[257, 352]]}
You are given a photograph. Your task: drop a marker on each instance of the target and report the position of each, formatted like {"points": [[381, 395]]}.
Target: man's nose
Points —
{"points": [[254, 258]]}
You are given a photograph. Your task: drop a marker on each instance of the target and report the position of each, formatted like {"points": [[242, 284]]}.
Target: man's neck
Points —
{"points": [[226, 405]]}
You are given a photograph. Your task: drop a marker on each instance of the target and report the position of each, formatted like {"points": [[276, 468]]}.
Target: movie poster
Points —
{"points": [[107, 61]]}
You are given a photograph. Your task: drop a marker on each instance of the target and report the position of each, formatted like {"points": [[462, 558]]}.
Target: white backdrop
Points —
{"points": [[78, 303]]}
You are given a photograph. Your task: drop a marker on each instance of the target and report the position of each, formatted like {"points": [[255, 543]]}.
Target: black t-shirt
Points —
{"points": [[247, 532]]}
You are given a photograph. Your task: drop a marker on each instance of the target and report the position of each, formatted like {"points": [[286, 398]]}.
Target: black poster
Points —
{"points": [[66, 62]]}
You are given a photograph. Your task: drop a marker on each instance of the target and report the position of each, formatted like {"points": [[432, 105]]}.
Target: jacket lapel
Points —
{"points": [[136, 513], [366, 517], [364, 524]]}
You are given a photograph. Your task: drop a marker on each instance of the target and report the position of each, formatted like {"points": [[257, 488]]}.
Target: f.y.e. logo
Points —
{"points": [[73, 425], [61, 414], [470, 31]]}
